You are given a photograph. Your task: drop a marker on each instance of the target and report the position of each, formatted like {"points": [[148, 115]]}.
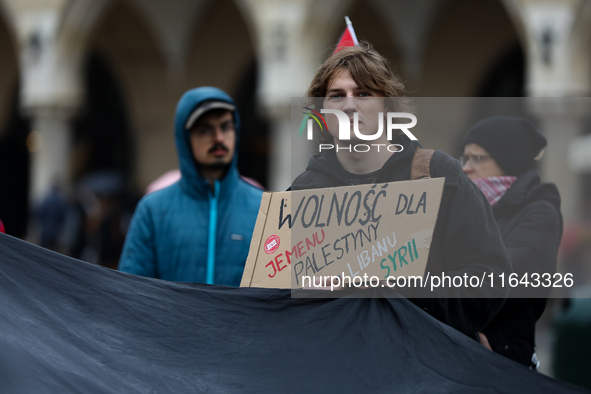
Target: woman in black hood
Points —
{"points": [[499, 157]]}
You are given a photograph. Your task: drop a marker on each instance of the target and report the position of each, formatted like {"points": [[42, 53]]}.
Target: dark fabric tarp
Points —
{"points": [[71, 327]]}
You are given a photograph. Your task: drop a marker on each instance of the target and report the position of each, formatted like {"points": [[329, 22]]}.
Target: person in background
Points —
{"points": [[198, 229], [2, 229], [51, 216], [499, 155]]}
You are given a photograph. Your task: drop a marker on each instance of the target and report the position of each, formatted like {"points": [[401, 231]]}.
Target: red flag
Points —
{"points": [[348, 38]]}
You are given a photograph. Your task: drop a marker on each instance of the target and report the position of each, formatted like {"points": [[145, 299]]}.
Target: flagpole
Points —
{"points": [[351, 30], [348, 38]]}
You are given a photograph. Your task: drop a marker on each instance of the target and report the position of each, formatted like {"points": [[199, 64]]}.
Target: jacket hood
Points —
{"points": [[191, 181], [528, 188]]}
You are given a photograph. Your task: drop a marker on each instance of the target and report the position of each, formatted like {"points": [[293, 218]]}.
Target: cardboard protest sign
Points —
{"points": [[375, 230]]}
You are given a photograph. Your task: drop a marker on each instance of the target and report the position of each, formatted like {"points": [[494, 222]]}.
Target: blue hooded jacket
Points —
{"points": [[186, 232]]}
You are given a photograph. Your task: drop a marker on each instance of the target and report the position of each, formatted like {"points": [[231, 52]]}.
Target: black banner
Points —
{"points": [[71, 327]]}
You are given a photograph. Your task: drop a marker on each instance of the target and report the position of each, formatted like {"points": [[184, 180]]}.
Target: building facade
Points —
{"points": [[92, 85]]}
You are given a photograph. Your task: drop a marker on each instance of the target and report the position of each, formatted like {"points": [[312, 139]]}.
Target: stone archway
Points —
{"points": [[14, 129], [101, 134], [125, 45], [234, 69], [465, 40], [8, 71], [370, 26], [506, 76]]}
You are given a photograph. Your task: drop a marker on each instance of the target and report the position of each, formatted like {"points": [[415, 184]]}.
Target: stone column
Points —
{"points": [[51, 92], [290, 39], [558, 70], [558, 62], [560, 120], [280, 156]]}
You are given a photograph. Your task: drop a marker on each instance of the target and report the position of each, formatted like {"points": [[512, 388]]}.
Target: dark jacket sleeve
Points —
{"points": [[138, 256], [534, 239], [467, 244]]}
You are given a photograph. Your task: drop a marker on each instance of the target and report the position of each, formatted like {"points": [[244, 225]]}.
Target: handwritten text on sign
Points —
{"points": [[380, 229]]}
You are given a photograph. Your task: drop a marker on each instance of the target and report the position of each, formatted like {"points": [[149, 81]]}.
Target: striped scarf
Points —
{"points": [[494, 187]]}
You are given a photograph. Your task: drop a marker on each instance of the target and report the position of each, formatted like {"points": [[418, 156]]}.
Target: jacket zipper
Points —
{"points": [[213, 221]]}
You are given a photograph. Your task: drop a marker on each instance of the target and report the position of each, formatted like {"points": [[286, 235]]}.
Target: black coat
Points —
{"points": [[466, 238], [529, 218]]}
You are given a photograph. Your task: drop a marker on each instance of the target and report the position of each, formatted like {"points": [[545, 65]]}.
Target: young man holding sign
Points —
{"points": [[358, 82]]}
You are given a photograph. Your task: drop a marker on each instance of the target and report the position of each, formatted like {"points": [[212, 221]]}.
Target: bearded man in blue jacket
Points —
{"points": [[199, 229]]}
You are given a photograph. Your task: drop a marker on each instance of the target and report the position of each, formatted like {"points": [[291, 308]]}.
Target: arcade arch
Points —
{"points": [[233, 68], [466, 39], [14, 156], [124, 42]]}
